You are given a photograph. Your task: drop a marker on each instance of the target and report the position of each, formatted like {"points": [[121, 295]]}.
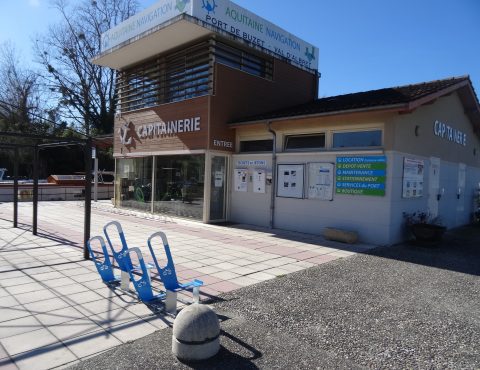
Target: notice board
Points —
{"points": [[290, 180], [320, 181], [259, 179], [240, 179], [363, 175], [413, 177]]}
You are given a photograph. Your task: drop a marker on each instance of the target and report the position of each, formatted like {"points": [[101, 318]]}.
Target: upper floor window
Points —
{"points": [[182, 75], [178, 76], [357, 139], [305, 142], [242, 60], [256, 146]]}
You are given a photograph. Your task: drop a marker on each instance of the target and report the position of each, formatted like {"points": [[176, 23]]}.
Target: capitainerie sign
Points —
{"points": [[225, 16], [158, 129], [449, 133]]}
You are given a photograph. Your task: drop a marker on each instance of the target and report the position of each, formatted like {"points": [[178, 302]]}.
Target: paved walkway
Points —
{"points": [[401, 307], [54, 310]]}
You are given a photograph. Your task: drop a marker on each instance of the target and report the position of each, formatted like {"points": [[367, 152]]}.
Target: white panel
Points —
{"points": [[320, 181], [434, 186]]}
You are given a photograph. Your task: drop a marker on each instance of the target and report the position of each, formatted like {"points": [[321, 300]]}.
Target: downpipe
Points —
{"points": [[274, 175]]}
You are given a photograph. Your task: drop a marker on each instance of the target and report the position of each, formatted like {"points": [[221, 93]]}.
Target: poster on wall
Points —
{"points": [[259, 179], [361, 175], [218, 179], [241, 180], [320, 181], [413, 177], [290, 180]]}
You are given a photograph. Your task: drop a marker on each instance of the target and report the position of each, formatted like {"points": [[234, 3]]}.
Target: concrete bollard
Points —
{"points": [[196, 333]]}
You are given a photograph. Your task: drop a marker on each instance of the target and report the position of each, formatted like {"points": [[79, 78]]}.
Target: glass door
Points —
{"points": [[218, 188]]}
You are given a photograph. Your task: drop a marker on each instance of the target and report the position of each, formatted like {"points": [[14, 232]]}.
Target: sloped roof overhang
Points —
{"points": [[464, 88], [182, 29]]}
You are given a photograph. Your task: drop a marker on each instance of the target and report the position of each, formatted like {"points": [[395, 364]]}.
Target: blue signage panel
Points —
{"points": [[365, 175]]}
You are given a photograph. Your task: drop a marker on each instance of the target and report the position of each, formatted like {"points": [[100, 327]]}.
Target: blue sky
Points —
{"points": [[364, 44]]}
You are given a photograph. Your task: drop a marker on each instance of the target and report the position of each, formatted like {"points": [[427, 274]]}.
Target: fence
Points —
{"points": [[52, 192]]}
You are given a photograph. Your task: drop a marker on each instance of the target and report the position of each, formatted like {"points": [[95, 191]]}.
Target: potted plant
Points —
{"points": [[425, 228]]}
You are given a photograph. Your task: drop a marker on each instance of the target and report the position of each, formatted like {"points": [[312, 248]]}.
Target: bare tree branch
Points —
{"points": [[85, 90]]}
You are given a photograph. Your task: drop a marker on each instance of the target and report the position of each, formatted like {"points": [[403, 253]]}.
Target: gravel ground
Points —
{"points": [[396, 307]]}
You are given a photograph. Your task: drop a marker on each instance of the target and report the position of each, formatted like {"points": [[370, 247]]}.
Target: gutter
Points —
{"points": [[274, 175]]}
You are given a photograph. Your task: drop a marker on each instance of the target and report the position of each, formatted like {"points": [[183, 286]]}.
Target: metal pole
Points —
{"points": [[95, 179], [15, 189], [153, 184], [88, 196], [35, 190]]}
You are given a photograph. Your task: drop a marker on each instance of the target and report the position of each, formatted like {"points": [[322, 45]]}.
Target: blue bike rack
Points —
{"points": [[143, 284], [105, 268], [167, 274], [121, 255]]}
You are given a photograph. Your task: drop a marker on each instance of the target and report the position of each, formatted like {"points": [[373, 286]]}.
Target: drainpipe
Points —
{"points": [[274, 175]]}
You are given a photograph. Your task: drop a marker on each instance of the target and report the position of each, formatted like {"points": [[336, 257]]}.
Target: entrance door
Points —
{"points": [[434, 186], [218, 188]]}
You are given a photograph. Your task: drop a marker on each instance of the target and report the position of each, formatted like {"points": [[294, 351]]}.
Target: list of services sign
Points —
{"points": [[361, 175]]}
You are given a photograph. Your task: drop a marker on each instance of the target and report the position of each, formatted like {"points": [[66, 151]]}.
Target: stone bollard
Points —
{"points": [[196, 333]]}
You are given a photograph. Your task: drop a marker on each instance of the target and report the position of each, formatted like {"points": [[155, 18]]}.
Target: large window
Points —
{"points": [[357, 139], [305, 142], [179, 182], [177, 188], [133, 182]]}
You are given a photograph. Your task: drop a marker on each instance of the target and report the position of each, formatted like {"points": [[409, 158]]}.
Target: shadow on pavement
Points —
{"points": [[459, 251], [227, 357]]}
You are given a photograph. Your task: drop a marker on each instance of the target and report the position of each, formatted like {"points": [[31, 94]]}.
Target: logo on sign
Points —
{"points": [[123, 132], [310, 54], [181, 4], [210, 8]]}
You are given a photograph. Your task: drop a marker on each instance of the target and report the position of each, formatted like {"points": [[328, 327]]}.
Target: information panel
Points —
{"points": [[320, 181], [413, 177], [259, 179], [241, 180], [290, 180], [361, 175]]}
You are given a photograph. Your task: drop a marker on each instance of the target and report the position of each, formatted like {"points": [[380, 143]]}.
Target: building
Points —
{"points": [[218, 121]]}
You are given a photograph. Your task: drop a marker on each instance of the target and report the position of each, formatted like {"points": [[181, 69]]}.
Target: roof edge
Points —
{"points": [[377, 109]]}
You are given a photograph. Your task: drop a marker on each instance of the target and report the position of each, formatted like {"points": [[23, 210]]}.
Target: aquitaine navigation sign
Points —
{"points": [[225, 16], [361, 175]]}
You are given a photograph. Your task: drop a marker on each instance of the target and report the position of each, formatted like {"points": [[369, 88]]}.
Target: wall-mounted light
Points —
{"points": [[439, 195], [459, 192], [417, 130]]}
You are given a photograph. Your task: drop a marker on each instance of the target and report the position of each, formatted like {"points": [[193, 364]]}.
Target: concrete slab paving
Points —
{"points": [[401, 307], [55, 310]]}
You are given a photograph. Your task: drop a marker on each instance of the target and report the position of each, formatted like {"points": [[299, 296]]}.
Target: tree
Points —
{"points": [[21, 100], [86, 91]]}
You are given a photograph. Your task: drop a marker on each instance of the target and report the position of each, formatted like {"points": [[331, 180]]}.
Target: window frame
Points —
{"points": [[254, 151], [376, 147], [309, 149]]}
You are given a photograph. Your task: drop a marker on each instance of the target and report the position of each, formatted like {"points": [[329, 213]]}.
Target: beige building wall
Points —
{"points": [[423, 141], [378, 220]]}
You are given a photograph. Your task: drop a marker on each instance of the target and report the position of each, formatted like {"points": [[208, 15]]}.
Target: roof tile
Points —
{"points": [[367, 99]]}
